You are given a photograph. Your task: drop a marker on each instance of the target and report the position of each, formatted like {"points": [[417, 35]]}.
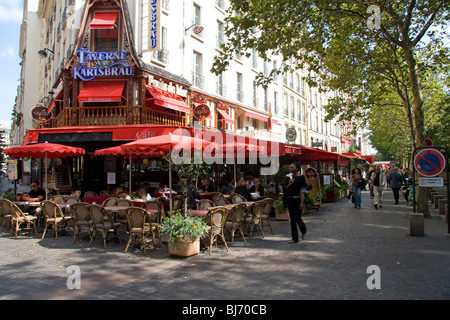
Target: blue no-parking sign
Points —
{"points": [[429, 162]]}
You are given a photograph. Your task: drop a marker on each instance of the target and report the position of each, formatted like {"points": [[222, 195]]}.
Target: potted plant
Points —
{"points": [[281, 212], [183, 233]]}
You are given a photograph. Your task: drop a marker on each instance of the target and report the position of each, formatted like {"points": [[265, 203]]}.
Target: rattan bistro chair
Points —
{"points": [[236, 221], [216, 219], [81, 219], [53, 216], [266, 213], [255, 219], [140, 226], [204, 204], [18, 219], [103, 222]]}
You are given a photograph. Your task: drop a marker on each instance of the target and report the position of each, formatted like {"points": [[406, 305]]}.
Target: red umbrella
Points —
{"points": [[44, 151], [164, 144]]}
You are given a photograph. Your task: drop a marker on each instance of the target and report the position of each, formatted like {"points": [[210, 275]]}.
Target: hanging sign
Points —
{"points": [[201, 112], [41, 114], [291, 134], [112, 65]]}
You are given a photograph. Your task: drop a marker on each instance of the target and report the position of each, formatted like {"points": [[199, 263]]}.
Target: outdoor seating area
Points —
{"points": [[136, 222]]}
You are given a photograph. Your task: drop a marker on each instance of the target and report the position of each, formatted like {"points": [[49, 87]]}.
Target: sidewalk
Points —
{"points": [[342, 242]]}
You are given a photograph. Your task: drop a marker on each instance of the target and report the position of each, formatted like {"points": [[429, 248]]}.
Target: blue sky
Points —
{"points": [[11, 12]]}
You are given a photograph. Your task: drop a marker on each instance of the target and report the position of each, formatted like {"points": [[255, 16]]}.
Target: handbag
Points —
{"points": [[349, 195]]}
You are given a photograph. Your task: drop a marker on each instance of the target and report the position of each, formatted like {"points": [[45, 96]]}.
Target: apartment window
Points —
{"points": [[302, 86], [105, 37], [292, 107], [303, 112], [220, 34], [197, 73], [266, 100], [162, 55], [239, 92], [297, 82], [275, 76], [299, 111], [285, 106], [255, 94], [221, 88], [197, 15], [254, 59], [291, 80], [275, 102]]}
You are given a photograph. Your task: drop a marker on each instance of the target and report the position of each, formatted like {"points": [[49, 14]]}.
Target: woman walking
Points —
{"points": [[356, 180]]}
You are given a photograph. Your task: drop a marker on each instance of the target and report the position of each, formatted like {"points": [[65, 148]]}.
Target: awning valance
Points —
{"points": [[101, 91], [168, 100], [104, 20], [226, 116]]}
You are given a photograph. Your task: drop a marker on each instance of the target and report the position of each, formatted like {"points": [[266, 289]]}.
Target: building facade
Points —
{"points": [[103, 72]]}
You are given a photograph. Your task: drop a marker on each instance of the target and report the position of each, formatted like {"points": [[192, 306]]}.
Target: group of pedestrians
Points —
{"points": [[377, 181]]}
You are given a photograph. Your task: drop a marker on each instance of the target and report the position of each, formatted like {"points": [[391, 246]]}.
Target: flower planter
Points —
{"points": [[282, 215], [184, 248]]}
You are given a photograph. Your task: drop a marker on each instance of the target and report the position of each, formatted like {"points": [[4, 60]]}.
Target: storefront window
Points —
{"points": [[106, 40]]}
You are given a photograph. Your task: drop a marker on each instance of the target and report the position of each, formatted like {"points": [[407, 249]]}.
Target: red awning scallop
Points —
{"points": [[102, 91]]}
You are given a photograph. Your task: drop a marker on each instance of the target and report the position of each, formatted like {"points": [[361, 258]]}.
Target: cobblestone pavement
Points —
{"points": [[332, 263]]}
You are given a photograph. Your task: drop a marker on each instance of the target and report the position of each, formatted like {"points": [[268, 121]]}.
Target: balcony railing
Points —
{"points": [[115, 116]]}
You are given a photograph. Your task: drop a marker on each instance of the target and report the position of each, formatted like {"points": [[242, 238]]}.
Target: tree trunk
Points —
{"points": [[422, 201]]}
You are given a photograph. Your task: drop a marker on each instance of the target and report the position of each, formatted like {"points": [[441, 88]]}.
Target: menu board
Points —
{"points": [[63, 179]]}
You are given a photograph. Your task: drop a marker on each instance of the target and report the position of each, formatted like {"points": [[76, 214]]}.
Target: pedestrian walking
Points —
{"points": [[370, 176], [379, 182], [295, 200], [356, 180], [396, 179]]}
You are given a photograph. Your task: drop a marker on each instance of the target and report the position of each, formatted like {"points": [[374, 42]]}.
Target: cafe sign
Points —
{"points": [[41, 114], [201, 112], [111, 64]]}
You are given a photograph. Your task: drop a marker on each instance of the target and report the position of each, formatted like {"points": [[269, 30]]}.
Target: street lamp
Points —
{"points": [[43, 53]]}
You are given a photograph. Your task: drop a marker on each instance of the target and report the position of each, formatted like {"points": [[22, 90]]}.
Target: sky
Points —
{"points": [[11, 12]]}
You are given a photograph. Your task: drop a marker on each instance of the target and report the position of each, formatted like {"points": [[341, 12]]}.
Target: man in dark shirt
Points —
{"points": [[295, 199], [37, 194]]}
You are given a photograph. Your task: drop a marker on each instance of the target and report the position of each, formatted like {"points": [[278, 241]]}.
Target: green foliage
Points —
{"points": [[278, 204], [175, 227]]}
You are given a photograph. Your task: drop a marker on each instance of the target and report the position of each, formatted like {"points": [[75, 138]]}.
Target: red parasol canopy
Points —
{"points": [[44, 150]]}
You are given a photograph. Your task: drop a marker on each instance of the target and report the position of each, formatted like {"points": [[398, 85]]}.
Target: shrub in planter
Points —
{"points": [[281, 212]]}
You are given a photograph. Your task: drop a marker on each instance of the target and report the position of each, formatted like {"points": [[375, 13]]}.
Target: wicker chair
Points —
{"points": [[6, 208], [105, 192], [237, 198], [216, 219], [58, 199], [204, 204], [255, 219], [18, 219], [139, 226], [155, 205], [71, 199], [266, 213], [177, 202], [109, 202], [53, 216], [81, 219], [236, 221], [220, 201], [102, 221], [118, 190], [90, 194], [124, 202]]}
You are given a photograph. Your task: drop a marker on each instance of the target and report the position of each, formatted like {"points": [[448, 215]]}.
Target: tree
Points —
{"points": [[332, 39]]}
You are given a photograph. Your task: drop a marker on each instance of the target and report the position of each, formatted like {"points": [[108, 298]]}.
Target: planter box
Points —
{"points": [[282, 216], [184, 249]]}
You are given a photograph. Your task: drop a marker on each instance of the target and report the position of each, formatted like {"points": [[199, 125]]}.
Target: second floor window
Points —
{"points": [[105, 27]]}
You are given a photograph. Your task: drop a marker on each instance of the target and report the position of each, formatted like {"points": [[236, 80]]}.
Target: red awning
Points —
{"points": [[256, 116], [168, 100], [104, 20], [308, 153], [226, 116], [101, 91]]}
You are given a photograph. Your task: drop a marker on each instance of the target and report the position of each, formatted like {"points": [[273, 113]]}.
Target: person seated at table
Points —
{"points": [[207, 186], [37, 194], [241, 189], [227, 185], [257, 188]]}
